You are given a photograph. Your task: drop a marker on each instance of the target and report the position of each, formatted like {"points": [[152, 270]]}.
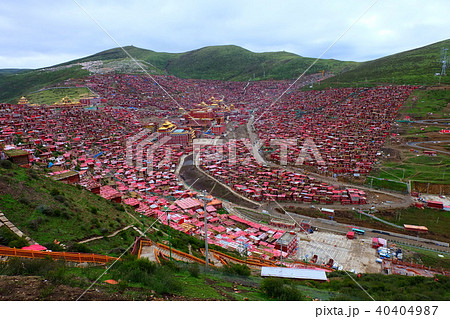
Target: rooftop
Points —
{"points": [[16, 152], [294, 273]]}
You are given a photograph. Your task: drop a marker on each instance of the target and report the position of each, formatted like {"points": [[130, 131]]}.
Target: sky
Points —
{"points": [[41, 33]]}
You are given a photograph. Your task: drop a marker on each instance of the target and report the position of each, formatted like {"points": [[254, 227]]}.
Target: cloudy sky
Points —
{"points": [[39, 33]]}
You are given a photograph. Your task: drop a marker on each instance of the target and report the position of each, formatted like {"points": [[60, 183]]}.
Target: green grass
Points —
{"points": [[435, 169], [388, 288], [428, 129], [225, 62], [114, 246], [139, 279], [12, 71], [13, 86], [229, 62], [46, 210], [427, 104], [197, 287], [52, 96], [385, 184], [417, 67], [437, 221], [426, 257]]}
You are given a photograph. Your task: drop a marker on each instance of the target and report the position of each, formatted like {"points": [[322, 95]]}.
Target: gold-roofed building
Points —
{"points": [[167, 127], [65, 100], [23, 101]]}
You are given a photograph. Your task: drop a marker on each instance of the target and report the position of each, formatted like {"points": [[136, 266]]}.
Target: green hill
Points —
{"points": [[12, 71], [13, 86], [46, 210], [233, 63], [226, 62], [417, 66]]}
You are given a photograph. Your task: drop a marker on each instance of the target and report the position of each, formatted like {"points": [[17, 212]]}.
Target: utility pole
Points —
{"points": [[281, 255], [204, 197], [444, 61], [168, 224]]}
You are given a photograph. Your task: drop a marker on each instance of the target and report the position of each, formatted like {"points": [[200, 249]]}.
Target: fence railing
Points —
{"points": [[66, 256]]}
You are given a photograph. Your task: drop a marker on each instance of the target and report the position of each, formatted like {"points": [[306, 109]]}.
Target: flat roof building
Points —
{"points": [[294, 273]]}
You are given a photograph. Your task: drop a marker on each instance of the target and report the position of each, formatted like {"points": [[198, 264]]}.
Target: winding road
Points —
{"points": [[417, 145]]}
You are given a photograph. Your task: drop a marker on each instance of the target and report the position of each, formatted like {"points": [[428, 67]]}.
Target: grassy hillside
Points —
{"points": [[417, 66], [52, 96], [159, 60], [229, 62], [427, 104], [225, 62], [46, 210], [234, 63], [12, 71], [13, 86]]}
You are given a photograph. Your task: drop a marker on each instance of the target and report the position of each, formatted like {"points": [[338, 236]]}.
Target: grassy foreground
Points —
{"points": [[47, 210], [144, 280]]}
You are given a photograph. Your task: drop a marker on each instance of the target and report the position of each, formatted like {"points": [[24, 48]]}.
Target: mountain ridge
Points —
{"points": [[233, 63]]}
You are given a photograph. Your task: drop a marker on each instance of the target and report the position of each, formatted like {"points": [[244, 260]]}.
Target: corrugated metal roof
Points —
{"points": [[295, 273]]}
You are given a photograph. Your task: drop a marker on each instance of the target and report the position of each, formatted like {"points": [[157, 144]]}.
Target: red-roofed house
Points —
{"points": [[111, 194]]}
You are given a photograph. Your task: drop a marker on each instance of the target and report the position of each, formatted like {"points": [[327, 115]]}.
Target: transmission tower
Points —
{"points": [[444, 61]]}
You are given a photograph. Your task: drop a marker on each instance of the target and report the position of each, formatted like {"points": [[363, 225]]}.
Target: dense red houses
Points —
{"points": [[104, 149]]}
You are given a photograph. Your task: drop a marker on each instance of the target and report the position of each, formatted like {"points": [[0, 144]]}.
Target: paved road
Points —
{"points": [[403, 200], [332, 226], [416, 145]]}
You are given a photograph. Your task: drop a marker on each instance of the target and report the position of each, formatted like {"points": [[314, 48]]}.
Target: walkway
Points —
{"points": [[5, 222], [110, 235]]}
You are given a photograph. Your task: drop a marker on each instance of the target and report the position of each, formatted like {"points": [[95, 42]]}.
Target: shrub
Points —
{"points": [[237, 269], [194, 270], [95, 223], [117, 251], [6, 164], [161, 279], [53, 247], [32, 174], [124, 236], [80, 248], [94, 210], [122, 286], [280, 289], [6, 235], [60, 198], [54, 192], [24, 201], [65, 214], [18, 243], [55, 212], [45, 210], [34, 223], [53, 271]]}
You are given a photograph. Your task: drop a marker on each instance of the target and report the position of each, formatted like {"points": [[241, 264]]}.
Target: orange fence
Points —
{"points": [[183, 254], [56, 255], [252, 262], [419, 266], [142, 242]]}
